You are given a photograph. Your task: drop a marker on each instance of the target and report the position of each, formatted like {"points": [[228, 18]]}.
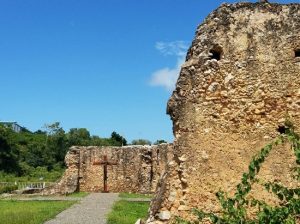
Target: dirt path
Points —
{"points": [[91, 210]]}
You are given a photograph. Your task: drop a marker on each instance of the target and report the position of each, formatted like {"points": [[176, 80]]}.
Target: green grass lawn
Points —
{"points": [[133, 195], [125, 212], [30, 212]]}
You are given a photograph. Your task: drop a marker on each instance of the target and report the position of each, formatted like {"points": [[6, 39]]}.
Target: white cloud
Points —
{"points": [[177, 48], [167, 77]]}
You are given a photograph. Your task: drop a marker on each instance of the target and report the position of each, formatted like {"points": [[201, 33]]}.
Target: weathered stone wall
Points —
{"points": [[137, 169], [240, 81]]}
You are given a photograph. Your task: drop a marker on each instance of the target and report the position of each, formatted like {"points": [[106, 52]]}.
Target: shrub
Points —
{"points": [[8, 188]]}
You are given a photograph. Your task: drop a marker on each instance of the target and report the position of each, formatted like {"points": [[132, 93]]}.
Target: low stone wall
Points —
{"points": [[137, 169]]}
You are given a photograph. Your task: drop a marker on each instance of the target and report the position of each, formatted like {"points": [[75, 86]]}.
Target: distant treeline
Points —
{"points": [[42, 153]]}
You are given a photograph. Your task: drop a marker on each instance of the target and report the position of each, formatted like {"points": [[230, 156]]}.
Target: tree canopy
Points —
{"points": [[141, 142], [25, 153]]}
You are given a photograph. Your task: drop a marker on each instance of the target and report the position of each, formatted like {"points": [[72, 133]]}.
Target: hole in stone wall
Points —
{"points": [[216, 53], [282, 129], [297, 53], [151, 173]]}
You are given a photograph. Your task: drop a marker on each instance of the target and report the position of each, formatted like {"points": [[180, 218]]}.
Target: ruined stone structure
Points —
{"points": [[240, 81], [137, 169]]}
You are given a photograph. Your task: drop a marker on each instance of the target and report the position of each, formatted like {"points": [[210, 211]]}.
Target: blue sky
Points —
{"points": [[103, 65]]}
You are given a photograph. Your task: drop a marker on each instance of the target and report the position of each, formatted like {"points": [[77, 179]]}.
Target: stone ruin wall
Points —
{"points": [[138, 169], [224, 110]]}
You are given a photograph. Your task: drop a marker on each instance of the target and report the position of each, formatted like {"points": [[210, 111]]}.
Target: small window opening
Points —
{"points": [[282, 129], [216, 53], [297, 53]]}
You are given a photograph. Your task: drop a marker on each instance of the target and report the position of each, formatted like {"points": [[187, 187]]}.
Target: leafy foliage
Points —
{"points": [[234, 209], [8, 150], [8, 188], [41, 154], [159, 142], [141, 142], [117, 139], [79, 136]]}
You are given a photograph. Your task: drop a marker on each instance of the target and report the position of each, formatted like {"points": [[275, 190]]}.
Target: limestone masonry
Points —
{"points": [[137, 169], [240, 81]]}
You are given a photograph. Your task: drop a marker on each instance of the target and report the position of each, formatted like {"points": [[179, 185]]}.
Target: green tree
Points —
{"points": [[159, 142], [56, 142], [141, 142], [97, 141], [33, 151], [79, 136], [52, 129], [8, 151], [42, 153], [117, 139]]}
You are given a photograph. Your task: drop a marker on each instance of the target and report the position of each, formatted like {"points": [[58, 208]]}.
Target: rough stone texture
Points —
{"points": [[69, 181], [224, 111], [138, 169]]}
